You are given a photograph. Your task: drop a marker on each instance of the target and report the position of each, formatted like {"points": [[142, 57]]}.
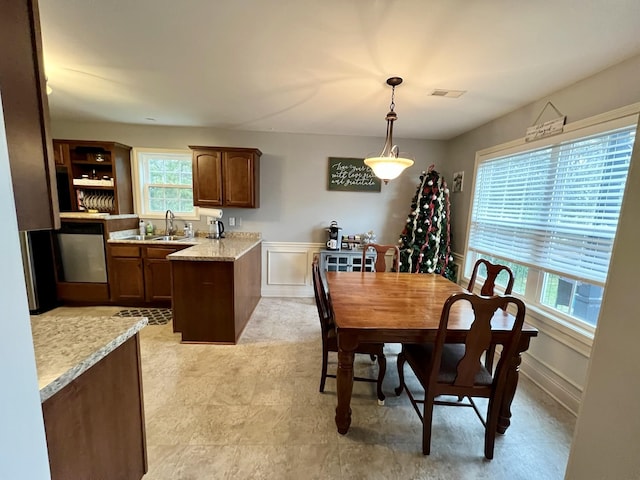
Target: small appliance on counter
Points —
{"points": [[333, 243], [216, 227]]}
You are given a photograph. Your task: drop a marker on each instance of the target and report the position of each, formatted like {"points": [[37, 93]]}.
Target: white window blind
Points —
{"points": [[555, 208]]}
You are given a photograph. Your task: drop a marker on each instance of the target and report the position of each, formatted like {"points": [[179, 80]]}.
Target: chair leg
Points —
{"points": [[400, 362], [382, 368], [427, 420], [325, 360], [491, 426], [373, 357]]}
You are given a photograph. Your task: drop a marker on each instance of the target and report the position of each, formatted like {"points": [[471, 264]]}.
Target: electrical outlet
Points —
{"points": [[239, 221], [232, 221]]}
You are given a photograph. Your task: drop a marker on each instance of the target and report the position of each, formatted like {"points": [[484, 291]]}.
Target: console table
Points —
{"points": [[345, 261]]}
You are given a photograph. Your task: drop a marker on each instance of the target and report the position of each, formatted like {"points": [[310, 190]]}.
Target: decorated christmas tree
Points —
{"points": [[425, 240]]}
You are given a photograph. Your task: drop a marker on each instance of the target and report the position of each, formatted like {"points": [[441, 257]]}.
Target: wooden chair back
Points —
{"points": [[493, 270], [322, 302], [330, 341], [478, 340], [380, 265]]}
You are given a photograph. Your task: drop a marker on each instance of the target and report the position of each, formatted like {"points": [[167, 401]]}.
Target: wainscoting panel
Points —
{"points": [[286, 269]]}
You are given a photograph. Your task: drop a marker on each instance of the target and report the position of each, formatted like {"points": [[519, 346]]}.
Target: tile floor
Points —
{"points": [[253, 411]]}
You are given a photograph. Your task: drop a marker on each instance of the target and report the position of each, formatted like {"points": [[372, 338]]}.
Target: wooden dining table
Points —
{"points": [[392, 307]]}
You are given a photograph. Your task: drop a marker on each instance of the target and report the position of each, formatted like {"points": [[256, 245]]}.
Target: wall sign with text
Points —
{"points": [[351, 174]]}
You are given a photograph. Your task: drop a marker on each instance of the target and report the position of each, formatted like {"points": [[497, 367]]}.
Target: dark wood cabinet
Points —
{"points": [[95, 425], [226, 177], [207, 178], [26, 116], [140, 274], [126, 276], [99, 174], [213, 300], [61, 153], [157, 274]]}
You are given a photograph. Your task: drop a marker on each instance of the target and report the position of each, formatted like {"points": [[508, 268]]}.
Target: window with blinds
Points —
{"points": [[554, 211]]}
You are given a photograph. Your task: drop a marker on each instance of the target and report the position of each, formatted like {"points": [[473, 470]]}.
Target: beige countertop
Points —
{"points": [[66, 347], [223, 250], [202, 249]]}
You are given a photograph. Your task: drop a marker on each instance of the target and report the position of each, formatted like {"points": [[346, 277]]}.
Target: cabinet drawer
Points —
{"points": [[124, 251], [160, 252]]}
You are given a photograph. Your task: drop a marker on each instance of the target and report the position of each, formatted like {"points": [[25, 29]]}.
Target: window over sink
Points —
{"points": [[163, 180]]}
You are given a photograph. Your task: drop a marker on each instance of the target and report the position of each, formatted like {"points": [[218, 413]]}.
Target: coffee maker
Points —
{"points": [[333, 243]]}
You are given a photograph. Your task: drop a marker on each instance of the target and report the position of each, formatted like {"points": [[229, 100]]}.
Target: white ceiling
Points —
{"points": [[320, 66]]}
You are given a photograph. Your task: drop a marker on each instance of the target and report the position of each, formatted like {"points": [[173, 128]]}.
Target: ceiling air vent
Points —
{"points": [[447, 93]]}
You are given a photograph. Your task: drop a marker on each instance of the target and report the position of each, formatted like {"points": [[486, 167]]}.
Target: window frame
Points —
{"points": [[140, 198], [564, 325]]}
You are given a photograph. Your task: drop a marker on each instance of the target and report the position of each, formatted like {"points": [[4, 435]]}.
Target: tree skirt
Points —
{"points": [[156, 316]]}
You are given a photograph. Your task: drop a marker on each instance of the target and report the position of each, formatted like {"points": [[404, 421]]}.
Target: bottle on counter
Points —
{"points": [[150, 228], [142, 228]]}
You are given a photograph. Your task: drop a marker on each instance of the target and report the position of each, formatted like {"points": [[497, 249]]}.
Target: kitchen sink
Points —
{"points": [[170, 238], [134, 237]]}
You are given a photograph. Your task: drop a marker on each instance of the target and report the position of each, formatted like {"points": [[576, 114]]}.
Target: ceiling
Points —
{"points": [[320, 66]]}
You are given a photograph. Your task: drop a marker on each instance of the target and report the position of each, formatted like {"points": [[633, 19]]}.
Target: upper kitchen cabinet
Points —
{"points": [[26, 116], [99, 175], [226, 177]]}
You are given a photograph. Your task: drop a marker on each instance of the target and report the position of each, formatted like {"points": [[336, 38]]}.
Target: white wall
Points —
{"points": [[23, 449], [295, 205]]}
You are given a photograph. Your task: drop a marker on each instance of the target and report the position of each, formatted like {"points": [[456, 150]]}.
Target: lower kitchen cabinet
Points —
{"points": [[140, 275], [95, 425], [126, 276], [157, 274]]}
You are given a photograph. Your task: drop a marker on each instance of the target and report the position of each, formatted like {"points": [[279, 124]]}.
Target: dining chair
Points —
{"points": [[455, 369], [380, 264], [488, 289], [492, 271], [330, 339]]}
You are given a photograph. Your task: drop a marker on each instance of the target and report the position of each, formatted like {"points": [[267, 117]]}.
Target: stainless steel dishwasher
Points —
{"points": [[82, 252]]}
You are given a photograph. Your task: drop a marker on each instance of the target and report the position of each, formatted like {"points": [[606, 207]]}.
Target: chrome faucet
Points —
{"points": [[169, 229]]}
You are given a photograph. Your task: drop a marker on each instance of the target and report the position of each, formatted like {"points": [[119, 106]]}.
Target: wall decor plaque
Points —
{"points": [[352, 175]]}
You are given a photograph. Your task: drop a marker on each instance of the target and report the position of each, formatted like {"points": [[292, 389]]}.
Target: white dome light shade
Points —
{"points": [[388, 168], [389, 163]]}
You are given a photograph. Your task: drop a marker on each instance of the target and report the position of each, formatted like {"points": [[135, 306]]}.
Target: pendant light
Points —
{"points": [[390, 163]]}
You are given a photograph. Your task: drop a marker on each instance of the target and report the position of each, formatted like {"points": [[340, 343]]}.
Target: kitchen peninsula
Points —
{"points": [[91, 392], [216, 287]]}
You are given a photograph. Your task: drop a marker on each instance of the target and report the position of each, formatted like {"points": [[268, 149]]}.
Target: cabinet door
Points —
{"points": [[207, 178], [127, 283], [238, 172], [157, 274], [61, 153], [26, 116], [126, 279]]}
